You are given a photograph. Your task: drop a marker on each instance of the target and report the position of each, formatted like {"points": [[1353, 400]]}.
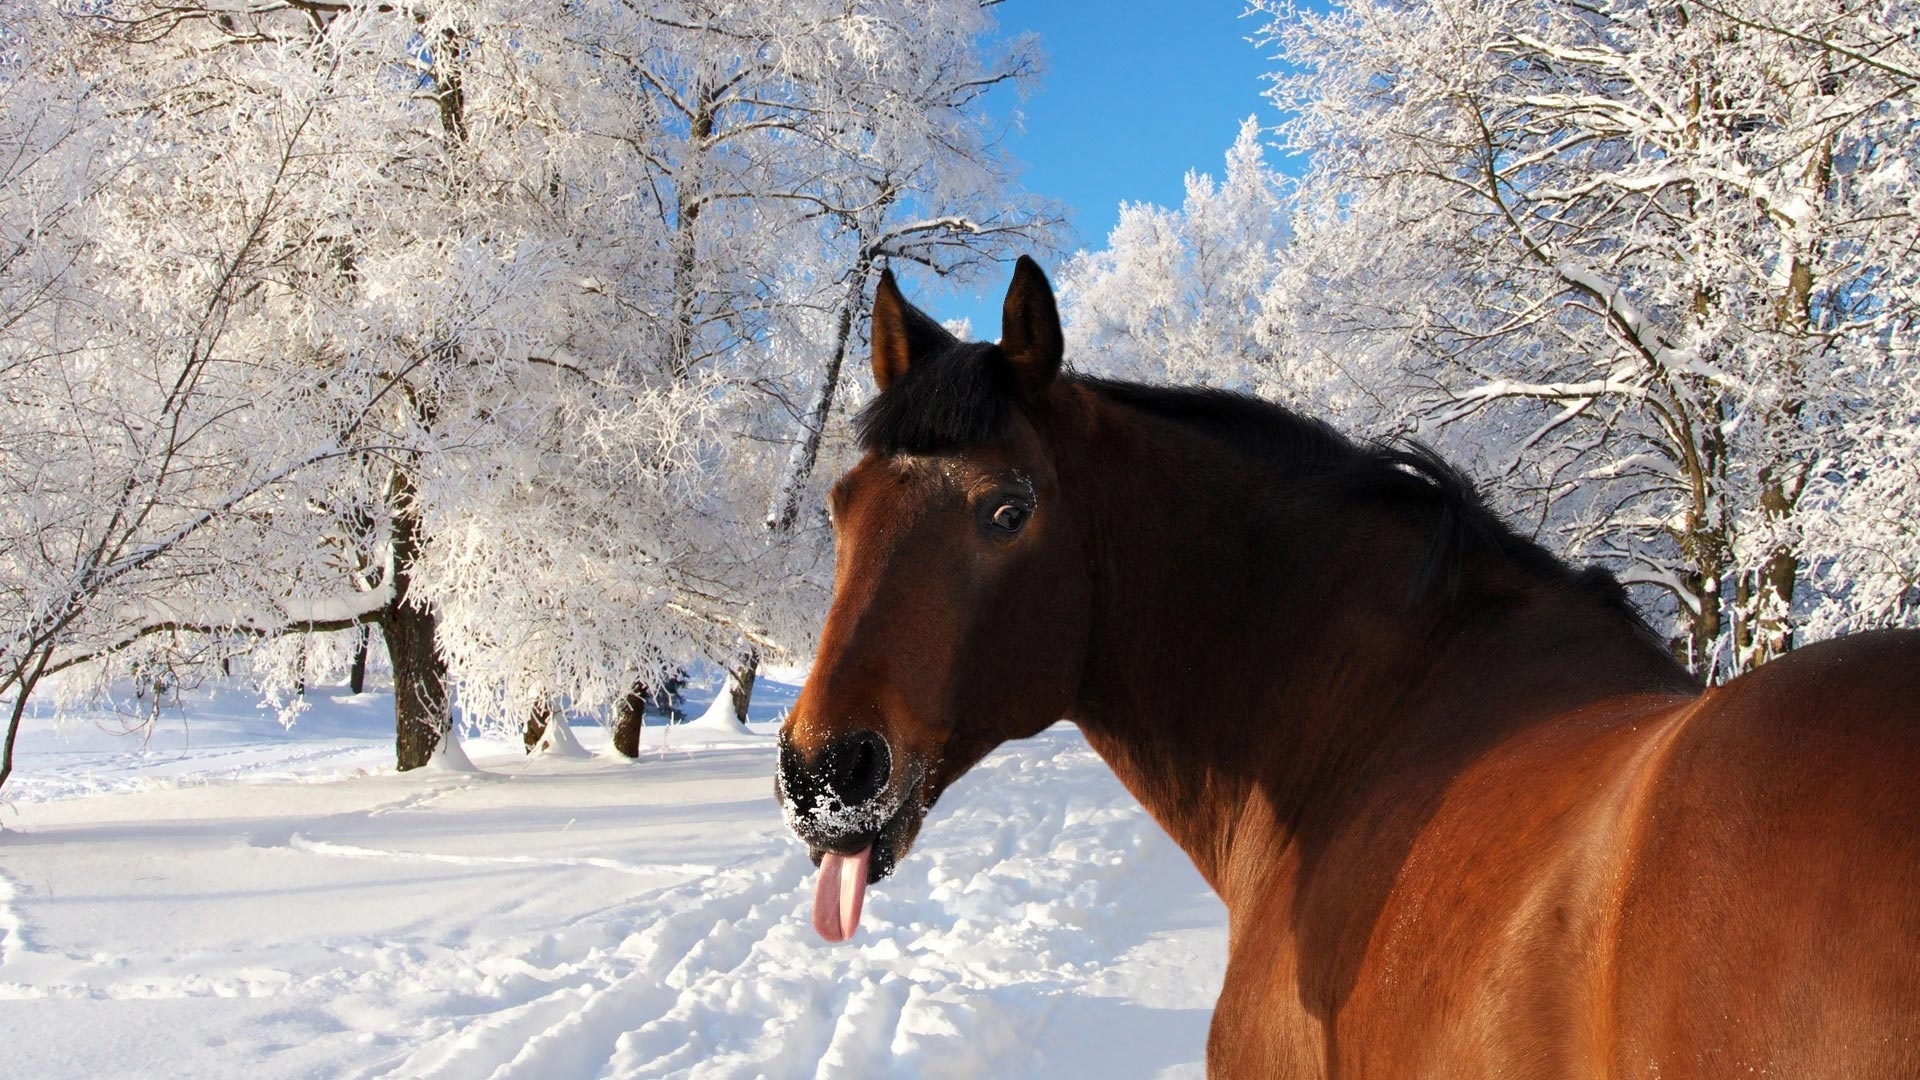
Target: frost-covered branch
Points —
{"points": [[1650, 264]]}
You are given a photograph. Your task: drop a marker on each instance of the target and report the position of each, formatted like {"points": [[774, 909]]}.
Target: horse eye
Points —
{"points": [[1010, 517]]}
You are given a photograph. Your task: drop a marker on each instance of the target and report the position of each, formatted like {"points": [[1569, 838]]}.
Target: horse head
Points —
{"points": [[961, 589]]}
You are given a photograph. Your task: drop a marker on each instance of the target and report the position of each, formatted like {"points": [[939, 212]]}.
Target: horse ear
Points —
{"points": [[1030, 329], [901, 332]]}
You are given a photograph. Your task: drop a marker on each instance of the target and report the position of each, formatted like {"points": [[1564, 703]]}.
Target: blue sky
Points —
{"points": [[1135, 94]]}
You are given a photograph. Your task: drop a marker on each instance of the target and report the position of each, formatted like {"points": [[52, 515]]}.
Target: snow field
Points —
{"points": [[261, 914]]}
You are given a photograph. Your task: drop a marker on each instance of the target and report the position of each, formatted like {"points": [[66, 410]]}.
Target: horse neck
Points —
{"points": [[1245, 675]]}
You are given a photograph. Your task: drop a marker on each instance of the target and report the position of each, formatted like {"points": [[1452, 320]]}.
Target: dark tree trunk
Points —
{"points": [[537, 720], [357, 674], [18, 708], [628, 719], [740, 678], [420, 710], [24, 678]]}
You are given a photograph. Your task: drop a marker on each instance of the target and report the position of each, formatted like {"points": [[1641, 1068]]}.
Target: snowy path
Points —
{"points": [[572, 918]]}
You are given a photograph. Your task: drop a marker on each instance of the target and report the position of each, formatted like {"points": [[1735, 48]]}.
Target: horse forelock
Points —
{"points": [[959, 396]]}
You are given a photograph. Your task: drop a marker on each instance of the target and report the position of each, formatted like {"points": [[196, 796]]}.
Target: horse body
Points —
{"points": [[1776, 874], [1467, 815], [1645, 886]]}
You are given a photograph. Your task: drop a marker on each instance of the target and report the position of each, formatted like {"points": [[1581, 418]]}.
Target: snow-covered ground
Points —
{"points": [[237, 899]]}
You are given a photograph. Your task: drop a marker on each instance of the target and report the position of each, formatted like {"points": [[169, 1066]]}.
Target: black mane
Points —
{"points": [[1402, 473]]}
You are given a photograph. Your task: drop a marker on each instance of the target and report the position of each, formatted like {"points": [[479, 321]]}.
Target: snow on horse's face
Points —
{"points": [[960, 608]]}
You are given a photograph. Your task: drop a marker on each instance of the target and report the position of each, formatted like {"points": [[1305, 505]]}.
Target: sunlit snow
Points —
{"points": [[239, 899]]}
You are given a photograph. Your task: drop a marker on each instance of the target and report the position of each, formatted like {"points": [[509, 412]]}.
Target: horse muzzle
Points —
{"points": [[848, 797]]}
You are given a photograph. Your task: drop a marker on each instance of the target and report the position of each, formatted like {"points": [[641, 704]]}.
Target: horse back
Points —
{"points": [[1769, 916], [1726, 885]]}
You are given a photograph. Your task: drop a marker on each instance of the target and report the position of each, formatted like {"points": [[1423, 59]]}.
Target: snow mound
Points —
{"points": [[451, 757], [558, 740], [716, 724]]}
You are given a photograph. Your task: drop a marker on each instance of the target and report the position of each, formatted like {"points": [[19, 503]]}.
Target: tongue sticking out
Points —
{"points": [[838, 893]]}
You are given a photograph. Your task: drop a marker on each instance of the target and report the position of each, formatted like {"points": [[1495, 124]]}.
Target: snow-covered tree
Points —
{"points": [[1647, 263], [153, 469], [1177, 295], [480, 323], [790, 148]]}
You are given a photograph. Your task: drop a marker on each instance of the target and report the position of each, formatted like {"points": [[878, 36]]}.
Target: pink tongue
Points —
{"points": [[838, 893]]}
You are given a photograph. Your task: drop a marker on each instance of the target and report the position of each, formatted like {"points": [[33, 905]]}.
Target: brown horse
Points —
{"points": [[1468, 816]]}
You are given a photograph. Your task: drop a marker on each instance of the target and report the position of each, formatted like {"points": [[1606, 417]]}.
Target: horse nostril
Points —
{"points": [[858, 766], [851, 771]]}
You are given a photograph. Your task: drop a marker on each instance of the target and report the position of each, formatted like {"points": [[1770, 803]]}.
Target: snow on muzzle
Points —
{"points": [[855, 823]]}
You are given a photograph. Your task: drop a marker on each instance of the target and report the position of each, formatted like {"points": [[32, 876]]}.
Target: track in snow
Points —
{"points": [[586, 919]]}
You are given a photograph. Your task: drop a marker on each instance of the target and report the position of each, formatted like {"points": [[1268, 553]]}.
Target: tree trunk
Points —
{"points": [[421, 711], [1779, 576], [448, 89], [1765, 602], [741, 674], [1702, 541], [23, 679], [1704, 550], [689, 200], [420, 708], [628, 719], [357, 674], [1767, 613], [18, 708], [536, 727]]}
